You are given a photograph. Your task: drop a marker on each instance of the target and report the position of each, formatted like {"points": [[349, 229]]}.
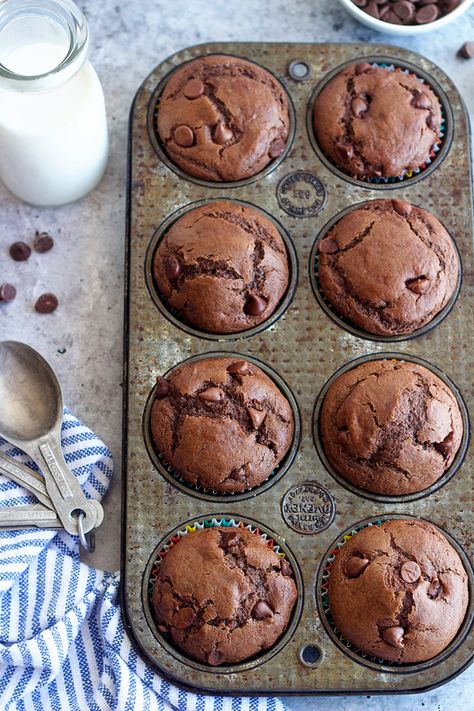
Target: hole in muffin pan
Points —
{"points": [[173, 316], [311, 656], [199, 492], [299, 70], [159, 149], [391, 183], [347, 325], [230, 520], [382, 665], [382, 498]]}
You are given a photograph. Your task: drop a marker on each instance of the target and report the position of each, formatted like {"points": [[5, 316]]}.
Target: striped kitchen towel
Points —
{"points": [[62, 641]]}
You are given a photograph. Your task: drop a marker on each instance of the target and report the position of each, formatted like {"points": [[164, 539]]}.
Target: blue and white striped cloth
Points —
{"points": [[62, 642]]}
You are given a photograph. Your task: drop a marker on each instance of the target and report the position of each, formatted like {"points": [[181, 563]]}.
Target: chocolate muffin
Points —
{"points": [[223, 118], [398, 591], [223, 595], [372, 121], [221, 423], [388, 266], [223, 266], [390, 427]]}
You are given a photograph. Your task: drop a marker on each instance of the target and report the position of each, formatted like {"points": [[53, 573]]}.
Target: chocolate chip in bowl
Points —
{"points": [[406, 17]]}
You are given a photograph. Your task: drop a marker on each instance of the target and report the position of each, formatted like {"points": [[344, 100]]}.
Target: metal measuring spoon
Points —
{"points": [[31, 409]]}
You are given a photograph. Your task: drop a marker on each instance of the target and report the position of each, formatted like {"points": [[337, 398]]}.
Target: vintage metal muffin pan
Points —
{"points": [[306, 510]]}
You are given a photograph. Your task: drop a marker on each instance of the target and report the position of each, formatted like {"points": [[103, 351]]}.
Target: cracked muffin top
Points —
{"points": [[388, 266], [223, 595], [390, 427], [221, 118], [398, 591], [223, 266], [221, 423], [375, 122]]}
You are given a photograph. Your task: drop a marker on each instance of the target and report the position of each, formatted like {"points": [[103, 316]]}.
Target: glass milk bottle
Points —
{"points": [[53, 128]]}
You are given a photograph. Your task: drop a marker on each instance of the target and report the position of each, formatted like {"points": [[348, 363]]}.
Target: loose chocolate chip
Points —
{"points": [[222, 134], [355, 566], [212, 395], [277, 147], [467, 50], [393, 636], [362, 67], [19, 251], [43, 242], [256, 416], [214, 658], [240, 367], [172, 267], [7, 292], [344, 151], [184, 618], [46, 304], [328, 246], [359, 107], [402, 207], [262, 610], [255, 305], [427, 13], [434, 589], [420, 100], [384, 11], [410, 571], [162, 388], [184, 136], [193, 89], [404, 10], [286, 568], [419, 285]]}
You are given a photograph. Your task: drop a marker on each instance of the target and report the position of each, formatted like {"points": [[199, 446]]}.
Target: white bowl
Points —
{"points": [[391, 29]]}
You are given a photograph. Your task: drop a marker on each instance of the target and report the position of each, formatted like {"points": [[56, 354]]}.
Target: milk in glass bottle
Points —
{"points": [[53, 128]]}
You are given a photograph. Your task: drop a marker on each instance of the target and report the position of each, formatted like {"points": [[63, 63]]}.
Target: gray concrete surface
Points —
{"points": [[83, 339]]}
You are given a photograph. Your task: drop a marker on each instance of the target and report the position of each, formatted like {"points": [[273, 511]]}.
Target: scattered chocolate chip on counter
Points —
{"points": [[466, 51], [7, 293], [46, 304], [43, 242], [406, 12], [20, 252]]}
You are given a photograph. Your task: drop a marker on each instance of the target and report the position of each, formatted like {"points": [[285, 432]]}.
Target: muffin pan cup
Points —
{"points": [[306, 509]]}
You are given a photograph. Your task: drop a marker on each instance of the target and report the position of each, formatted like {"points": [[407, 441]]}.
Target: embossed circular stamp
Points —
{"points": [[308, 507], [301, 194]]}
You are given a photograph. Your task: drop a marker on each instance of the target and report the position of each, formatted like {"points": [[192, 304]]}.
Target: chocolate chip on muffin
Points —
{"points": [[390, 427], [408, 600], [221, 595], [222, 424], [375, 122], [223, 118], [388, 266], [223, 266]]}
